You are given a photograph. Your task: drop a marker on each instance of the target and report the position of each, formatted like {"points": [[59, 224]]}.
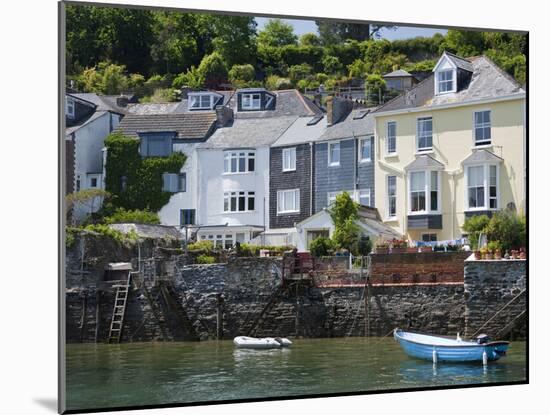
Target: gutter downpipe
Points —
{"points": [[311, 178]]}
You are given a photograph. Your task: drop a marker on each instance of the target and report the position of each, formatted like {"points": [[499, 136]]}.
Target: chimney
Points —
{"points": [[224, 115], [185, 92], [122, 101], [337, 109]]}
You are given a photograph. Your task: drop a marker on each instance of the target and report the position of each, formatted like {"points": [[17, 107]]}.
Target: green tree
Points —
{"points": [[299, 72], [114, 81], [276, 33], [475, 226], [335, 32], [344, 213], [213, 70], [192, 78], [310, 39], [358, 69], [245, 73], [463, 42], [234, 38], [321, 246], [331, 64]]}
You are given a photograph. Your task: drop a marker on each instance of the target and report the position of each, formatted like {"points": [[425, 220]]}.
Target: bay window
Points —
{"points": [[482, 187], [392, 196], [239, 162], [424, 191], [238, 201], [288, 201], [424, 134]]}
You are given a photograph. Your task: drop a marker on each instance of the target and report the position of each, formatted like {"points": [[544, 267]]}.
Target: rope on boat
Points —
{"points": [[498, 312]]}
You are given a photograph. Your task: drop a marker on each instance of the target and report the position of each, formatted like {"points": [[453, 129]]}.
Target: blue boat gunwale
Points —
{"points": [[473, 344]]}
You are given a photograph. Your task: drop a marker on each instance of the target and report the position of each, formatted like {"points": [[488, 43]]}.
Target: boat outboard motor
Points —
{"points": [[279, 340], [482, 339]]}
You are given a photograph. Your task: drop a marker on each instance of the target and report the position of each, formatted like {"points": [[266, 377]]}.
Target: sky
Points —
{"points": [[402, 32]]}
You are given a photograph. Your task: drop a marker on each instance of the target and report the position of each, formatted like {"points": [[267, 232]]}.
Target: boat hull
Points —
{"points": [[244, 342], [460, 352]]}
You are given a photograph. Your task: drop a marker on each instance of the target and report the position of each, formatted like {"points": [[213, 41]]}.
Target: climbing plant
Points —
{"points": [[133, 181]]}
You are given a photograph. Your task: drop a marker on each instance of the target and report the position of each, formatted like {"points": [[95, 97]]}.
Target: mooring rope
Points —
{"points": [[498, 312]]}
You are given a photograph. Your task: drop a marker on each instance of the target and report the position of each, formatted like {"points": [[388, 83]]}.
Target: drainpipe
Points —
{"points": [[311, 179], [355, 167]]}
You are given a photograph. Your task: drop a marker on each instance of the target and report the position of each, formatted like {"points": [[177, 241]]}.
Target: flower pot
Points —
{"points": [[489, 255], [412, 250], [522, 255], [477, 255], [426, 249]]}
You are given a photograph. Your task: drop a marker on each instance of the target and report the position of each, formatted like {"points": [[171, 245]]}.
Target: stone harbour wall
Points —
{"points": [[491, 287]]}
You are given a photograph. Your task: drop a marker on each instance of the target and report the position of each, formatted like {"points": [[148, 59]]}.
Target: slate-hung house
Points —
{"points": [[291, 174], [233, 165], [343, 157], [449, 148], [162, 132], [89, 120]]}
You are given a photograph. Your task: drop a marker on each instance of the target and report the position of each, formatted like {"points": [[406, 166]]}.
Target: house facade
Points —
{"points": [[343, 155], [450, 148], [89, 120]]}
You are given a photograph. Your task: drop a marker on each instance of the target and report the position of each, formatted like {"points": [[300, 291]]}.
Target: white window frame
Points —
{"points": [[438, 81], [200, 98], [291, 154], [486, 142], [230, 155], [228, 195], [486, 186], [295, 194], [251, 101], [388, 152], [370, 143], [363, 191], [424, 149], [427, 193], [332, 163], [388, 196], [69, 107]]}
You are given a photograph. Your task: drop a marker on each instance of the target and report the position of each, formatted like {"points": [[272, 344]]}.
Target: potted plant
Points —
{"points": [[398, 246], [483, 252], [494, 249], [522, 253], [477, 255], [382, 248], [514, 254]]}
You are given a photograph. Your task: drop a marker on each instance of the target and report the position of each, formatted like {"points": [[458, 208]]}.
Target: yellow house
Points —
{"points": [[451, 147]]}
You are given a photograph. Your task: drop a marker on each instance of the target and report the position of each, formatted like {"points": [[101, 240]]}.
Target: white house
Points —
{"points": [[321, 224], [89, 120]]}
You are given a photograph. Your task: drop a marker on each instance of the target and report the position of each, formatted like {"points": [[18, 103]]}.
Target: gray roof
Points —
{"points": [[354, 125], [102, 103], [148, 231], [85, 121], [246, 133], [488, 81], [424, 162], [371, 217], [300, 132], [187, 126], [460, 62], [481, 156], [153, 108], [287, 103], [397, 74]]}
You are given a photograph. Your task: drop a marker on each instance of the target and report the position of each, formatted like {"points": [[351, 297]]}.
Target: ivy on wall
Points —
{"points": [[142, 186]]}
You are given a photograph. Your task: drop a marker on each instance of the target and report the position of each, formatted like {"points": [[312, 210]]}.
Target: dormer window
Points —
{"points": [[445, 81], [69, 107], [200, 101], [251, 101]]}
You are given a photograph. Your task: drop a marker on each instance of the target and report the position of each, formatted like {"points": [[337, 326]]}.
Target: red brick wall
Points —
{"points": [[411, 268]]}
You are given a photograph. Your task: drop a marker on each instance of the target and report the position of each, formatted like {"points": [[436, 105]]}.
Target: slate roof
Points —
{"points": [[102, 103], [153, 108], [371, 217], [187, 126], [481, 156], [460, 62], [488, 81], [424, 162], [85, 121], [148, 231], [352, 125], [300, 132], [397, 74], [249, 133]]}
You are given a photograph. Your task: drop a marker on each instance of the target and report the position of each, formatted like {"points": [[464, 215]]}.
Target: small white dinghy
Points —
{"points": [[263, 343]]}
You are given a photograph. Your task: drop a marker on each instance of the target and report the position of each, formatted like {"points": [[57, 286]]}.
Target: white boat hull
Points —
{"points": [[245, 342]]}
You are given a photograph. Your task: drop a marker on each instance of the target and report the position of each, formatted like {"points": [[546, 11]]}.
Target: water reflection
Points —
{"points": [[414, 371]]}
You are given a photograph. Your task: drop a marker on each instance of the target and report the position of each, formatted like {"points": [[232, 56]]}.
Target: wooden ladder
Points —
{"points": [[119, 309]]}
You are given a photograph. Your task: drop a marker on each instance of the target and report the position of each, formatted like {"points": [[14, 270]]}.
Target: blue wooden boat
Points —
{"points": [[446, 349]]}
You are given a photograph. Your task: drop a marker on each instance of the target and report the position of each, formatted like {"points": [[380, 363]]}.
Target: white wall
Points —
{"points": [[170, 213], [212, 183]]}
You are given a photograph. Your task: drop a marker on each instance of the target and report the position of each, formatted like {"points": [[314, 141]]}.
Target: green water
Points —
{"points": [[100, 376]]}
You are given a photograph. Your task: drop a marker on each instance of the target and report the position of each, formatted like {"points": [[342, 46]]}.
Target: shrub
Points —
{"points": [[331, 64], [274, 82], [205, 259], [508, 228], [321, 246], [299, 72], [122, 215], [247, 250], [160, 95], [475, 226], [203, 245], [362, 246], [245, 73], [114, 234], [213, 70]]}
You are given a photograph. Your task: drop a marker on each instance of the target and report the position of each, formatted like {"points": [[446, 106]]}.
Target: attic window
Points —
{"points": [[445, 81], [200, 102], [251, 101], [69, 107]]}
